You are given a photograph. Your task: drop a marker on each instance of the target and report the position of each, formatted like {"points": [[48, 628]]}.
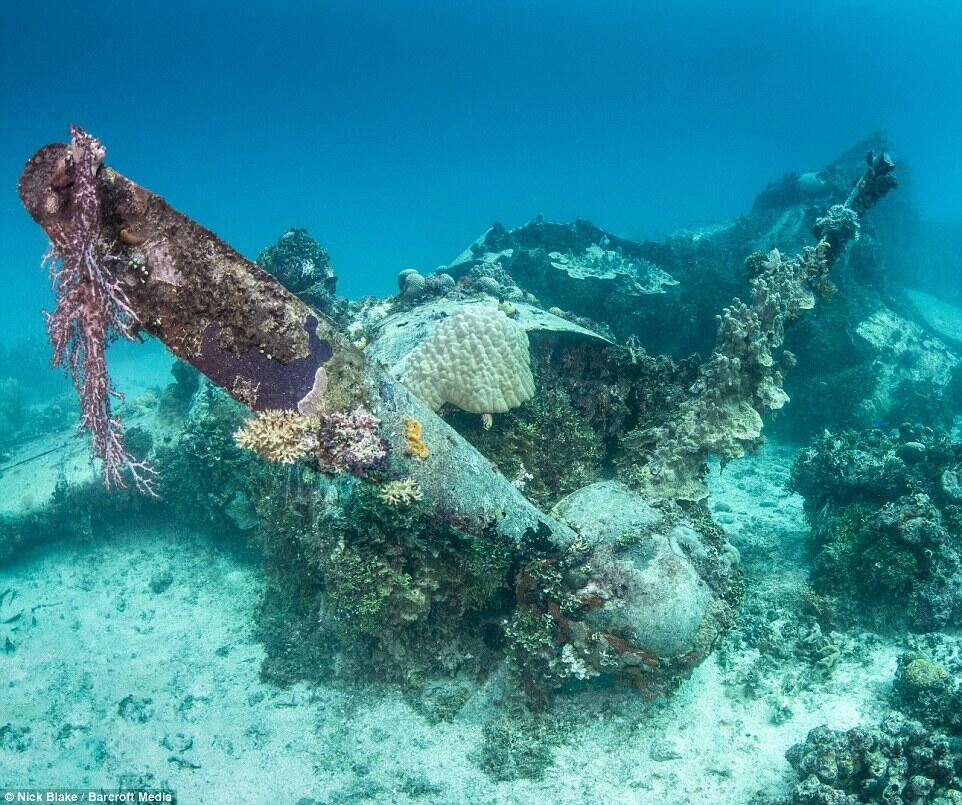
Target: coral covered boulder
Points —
{"points": [[898, 761], [640, 594], [672, 609], [303, 267], [886, 524]]}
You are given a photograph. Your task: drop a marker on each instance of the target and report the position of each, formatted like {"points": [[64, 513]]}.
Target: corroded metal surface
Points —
{"points": [[211, 307]]}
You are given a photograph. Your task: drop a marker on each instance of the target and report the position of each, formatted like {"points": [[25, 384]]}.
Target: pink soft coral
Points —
{"points": [[91, 311]]}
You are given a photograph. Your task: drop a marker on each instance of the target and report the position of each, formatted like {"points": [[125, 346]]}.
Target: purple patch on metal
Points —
{"points": [[279, 385]]}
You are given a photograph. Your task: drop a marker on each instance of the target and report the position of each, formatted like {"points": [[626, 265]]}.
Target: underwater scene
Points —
{"points": [[429, 403]]}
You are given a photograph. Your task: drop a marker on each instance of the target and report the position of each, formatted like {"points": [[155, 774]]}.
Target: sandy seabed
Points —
{"points": [[134, 663]]}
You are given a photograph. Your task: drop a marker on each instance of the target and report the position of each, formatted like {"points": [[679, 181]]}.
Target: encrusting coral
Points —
{"points": [[204, 476], [930, 689], [407, 596], [350, 443], [546, 445]]}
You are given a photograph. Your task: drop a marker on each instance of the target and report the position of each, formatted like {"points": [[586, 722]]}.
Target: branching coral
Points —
{"points": [[339, 442], [401, 493], [282, 437], [743, 377]]}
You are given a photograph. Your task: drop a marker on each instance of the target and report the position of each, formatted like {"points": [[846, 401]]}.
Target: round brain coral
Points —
{"points": [[477, 360]]}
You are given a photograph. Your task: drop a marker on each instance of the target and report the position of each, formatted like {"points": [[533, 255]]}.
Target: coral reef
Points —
{"points": [[897, 761], [205, 477], [545, 444], [302, 266], [411, 596], [930, 690], [445, 561], [742, 379], [410, 283], [594, 400], [282, 437], [928, 681], [913, 756], [886, 525], [744, 374], [337, 442], [350, 443]]}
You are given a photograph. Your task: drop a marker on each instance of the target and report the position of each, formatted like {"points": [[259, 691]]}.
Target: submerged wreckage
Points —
{"points": [[476, 472]]}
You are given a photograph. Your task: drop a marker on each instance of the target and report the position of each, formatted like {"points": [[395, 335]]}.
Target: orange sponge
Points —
{"points": [[412, 436]]}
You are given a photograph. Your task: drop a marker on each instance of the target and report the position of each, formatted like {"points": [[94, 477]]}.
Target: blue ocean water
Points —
{"points": [[510, 601], [396, 132]]}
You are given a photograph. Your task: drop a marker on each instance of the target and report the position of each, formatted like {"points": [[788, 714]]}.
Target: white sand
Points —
{"points": [[94, 633]]}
